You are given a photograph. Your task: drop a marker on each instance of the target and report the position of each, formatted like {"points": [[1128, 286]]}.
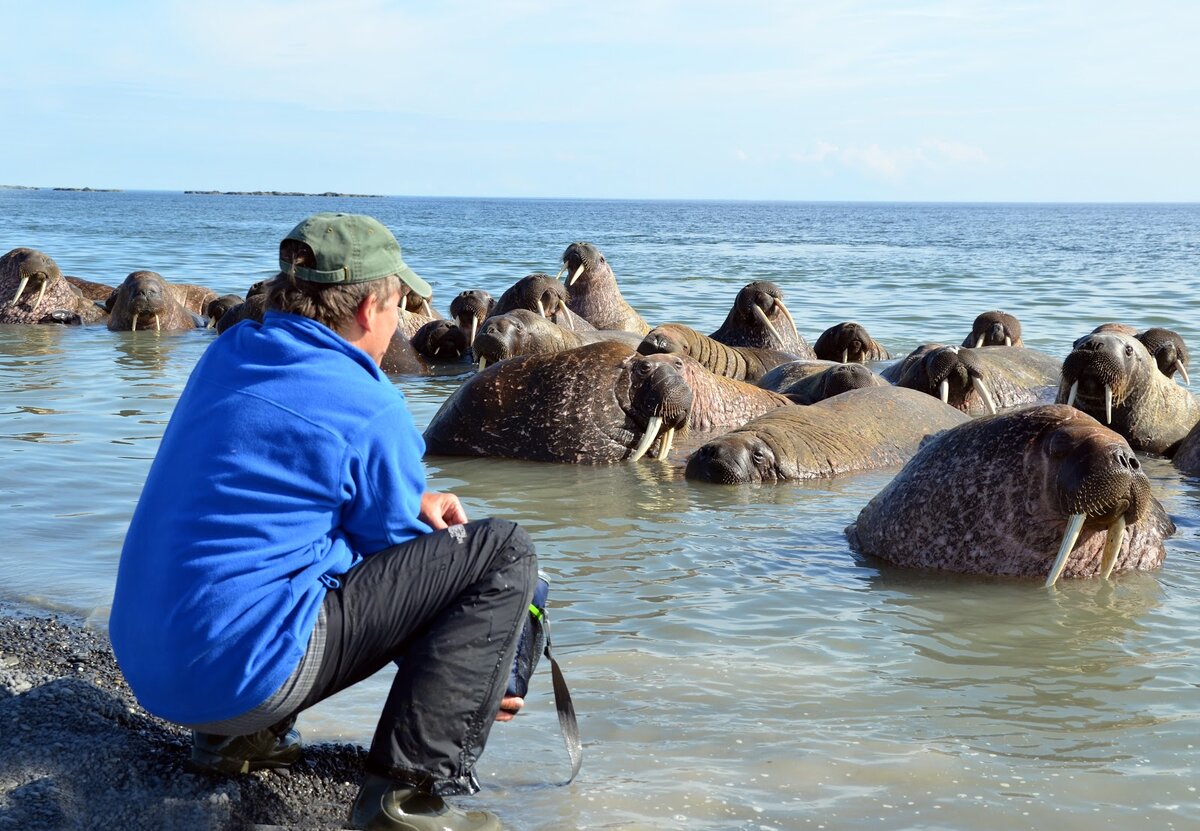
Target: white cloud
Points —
{"points": [[892, 163]]}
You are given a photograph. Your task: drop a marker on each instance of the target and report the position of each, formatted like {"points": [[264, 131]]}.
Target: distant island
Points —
{"points": [[91, 190], [280, 193], [18, 187]]}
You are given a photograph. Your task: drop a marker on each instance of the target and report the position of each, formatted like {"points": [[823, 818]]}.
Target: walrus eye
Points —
{"points": [[677, 363], [1059, 445], [1128, 351]]}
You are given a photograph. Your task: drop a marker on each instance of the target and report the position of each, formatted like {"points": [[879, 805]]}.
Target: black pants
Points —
{"points": [[449, 606]]}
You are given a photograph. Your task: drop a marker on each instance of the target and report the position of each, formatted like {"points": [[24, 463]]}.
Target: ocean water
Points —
{"points": [[733, 664]]}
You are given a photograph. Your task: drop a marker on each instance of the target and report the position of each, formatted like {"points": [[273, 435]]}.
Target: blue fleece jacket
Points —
{"points": [[288, 458]]}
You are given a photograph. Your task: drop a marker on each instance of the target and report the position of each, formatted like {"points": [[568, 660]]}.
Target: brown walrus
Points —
{"points": [[720, 403], [544, 295], [522, 332], [469, 309], [759, 318], [849, 342], [859, 430], [1112, 377], [90, 289], [593, 293], [1168, 349], [597, 404], [743, 363], [145, 301], [33, 290], [831, 381], [978, 381], [192, 297], [994, 328], [1010, 494], [216, 308]]}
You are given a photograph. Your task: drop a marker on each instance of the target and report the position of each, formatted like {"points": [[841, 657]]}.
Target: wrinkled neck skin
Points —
{"points": [[720, 403], [596, 298]]}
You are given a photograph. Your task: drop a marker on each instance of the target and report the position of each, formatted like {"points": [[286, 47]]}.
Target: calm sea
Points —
{"points": [[733, 664]]}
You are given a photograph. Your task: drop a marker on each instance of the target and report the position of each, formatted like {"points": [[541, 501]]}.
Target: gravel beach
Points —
{"points": [[77, 752]]}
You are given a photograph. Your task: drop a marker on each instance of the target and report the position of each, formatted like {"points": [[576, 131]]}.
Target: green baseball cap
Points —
{"points": [[351, 248]]}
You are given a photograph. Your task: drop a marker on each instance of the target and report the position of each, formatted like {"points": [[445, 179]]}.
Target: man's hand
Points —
{"points": [[509, 705], [440, 510]]}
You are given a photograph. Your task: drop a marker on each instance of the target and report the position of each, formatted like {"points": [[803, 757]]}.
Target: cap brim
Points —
{"points": [[414, 282]]}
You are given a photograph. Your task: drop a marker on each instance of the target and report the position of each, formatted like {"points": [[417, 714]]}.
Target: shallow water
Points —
{"points": [[733, 664]]}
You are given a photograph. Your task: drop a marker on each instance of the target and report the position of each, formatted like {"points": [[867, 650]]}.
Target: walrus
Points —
{"points": [[978, 381], [743, 363], [719, 403], [596, 404], [522, 332], [216, 308], [254, 307], [442, 341], [1168, 349], [90, 289], [1011, 494], [994, 328], [831, 381], [861, 429], [544, 295], [788, 375], [144, 301], [849, 342], [593, 293], [759, 318], [469, 309], [33, 290], [1112, 377]]}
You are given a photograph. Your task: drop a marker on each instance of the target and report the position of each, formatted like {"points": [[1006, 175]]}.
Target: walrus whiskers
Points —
{"points": [[767, 322], [652, 428], [20, 289], [985, 395], [1112, 545], [1074, 526]]}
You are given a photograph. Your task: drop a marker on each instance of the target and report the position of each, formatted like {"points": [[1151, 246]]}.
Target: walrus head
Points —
{"points": [[736, 458], [948, 372], [843, 378], [538, 293], [668, 339], [1169, 351], [142, 295], [756, 304], [214, 309], [441, 340], [470, 309], [1094, 479], [660, 398], [582, 260], [994, 328], [1102, 371], [848, 342], [519, 332], [28, 269], [414, 303]]}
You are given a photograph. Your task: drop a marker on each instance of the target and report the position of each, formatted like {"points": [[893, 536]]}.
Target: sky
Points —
{"points": [[948, 100]]}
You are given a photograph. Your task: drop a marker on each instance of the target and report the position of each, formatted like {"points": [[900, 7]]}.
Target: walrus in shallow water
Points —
{"points": [[849, 342], [994, 328], [860, 430], [544, 295], [33, 290], [91, 290], [1112, 377], [759, 318], [522, 332], [743, 363], [720, 403], [470, 309], [832, 381], [978, 381], [597, 404], [145, 301], [593, 293], [216, 308], [1013, 494], [1168, 349]]}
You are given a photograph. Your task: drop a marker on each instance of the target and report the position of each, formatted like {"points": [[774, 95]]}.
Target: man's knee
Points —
{"points": [[514, 539]]}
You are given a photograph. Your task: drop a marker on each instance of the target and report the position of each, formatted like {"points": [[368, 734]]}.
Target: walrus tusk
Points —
{"points": [[1071, 395], [20, 290], [542, 309], [41, 294], [652, 428], [560, 271], [474, 328], [665, 447], [979, 342], [1074, 526], [1182, 371], [157, 324], [425, 310], [1107, 404], [1112, 545], [1007, 340], [482, 363], [767, 322], [944, 392], [575, 276], [791, 320], [845, 356], [985, 395], [570, 322], [135, 317]]}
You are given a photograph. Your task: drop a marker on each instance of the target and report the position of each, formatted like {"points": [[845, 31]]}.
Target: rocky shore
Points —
{"points": [[77, 752]]}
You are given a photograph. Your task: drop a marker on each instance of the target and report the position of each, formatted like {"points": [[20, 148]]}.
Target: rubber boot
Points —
{"points": [[383, 804], [277, 746]]}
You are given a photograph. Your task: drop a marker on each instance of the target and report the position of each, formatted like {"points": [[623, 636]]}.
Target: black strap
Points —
{"points": [[566, 714]]}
